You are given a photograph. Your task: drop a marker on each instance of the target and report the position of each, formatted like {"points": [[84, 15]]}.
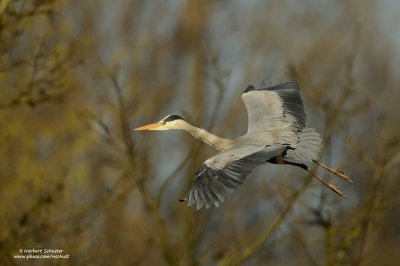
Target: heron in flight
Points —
{"points": [[276, 134]]}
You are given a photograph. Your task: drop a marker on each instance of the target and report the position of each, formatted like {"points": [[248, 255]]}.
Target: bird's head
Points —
{"points": [[167, 123]]}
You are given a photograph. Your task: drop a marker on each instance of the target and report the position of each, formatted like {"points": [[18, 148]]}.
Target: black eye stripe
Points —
{"points": [[172, 118]]}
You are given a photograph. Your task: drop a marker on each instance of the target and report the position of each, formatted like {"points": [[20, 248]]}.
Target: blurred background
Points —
{"points": [[77, 76]]}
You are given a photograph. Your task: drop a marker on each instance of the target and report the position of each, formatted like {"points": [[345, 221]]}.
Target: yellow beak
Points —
{"points": [[149, 127]]}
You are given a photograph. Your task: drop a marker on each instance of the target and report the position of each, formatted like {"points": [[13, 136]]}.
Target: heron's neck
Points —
{"points": [[205, 136]]}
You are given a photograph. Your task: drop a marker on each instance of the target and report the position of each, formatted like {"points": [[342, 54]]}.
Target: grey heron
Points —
{"points": [[276, 134]]}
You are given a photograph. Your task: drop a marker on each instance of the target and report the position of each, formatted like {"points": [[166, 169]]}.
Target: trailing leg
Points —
{"points": [[278, 160], [329, 185], [333, 171]]}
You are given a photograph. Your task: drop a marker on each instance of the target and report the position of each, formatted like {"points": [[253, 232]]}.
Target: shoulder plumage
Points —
{"points": [[249, 88]]}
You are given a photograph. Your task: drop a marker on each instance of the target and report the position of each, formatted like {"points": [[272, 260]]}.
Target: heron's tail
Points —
{"points": [[308, 149]]}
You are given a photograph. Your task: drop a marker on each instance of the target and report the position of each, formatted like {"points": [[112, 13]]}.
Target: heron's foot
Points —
{"points": [[342, 175], [336, 189]]}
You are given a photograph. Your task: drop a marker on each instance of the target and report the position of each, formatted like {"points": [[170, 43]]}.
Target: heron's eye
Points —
{"points": [[163, 122]]}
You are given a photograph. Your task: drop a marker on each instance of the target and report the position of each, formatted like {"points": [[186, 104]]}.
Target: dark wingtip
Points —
{"points": [[280, 86], [285, 85], [249, 88]]}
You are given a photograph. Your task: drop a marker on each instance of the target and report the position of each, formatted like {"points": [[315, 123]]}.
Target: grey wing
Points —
{"points": [[274, 107], [226, 171]]}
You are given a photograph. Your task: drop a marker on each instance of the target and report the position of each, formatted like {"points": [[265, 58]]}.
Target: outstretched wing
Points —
{"points": [[226, 171], [274, 107]]}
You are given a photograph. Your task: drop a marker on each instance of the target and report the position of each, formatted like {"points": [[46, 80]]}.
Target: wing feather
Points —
{"points": [[274, 107], [226, 171]]}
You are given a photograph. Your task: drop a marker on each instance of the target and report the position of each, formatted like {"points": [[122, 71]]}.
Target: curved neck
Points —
{"points": [[205, 136]]}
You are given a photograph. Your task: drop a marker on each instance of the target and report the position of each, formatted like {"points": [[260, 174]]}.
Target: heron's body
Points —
{"points": [[276, 134]]}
